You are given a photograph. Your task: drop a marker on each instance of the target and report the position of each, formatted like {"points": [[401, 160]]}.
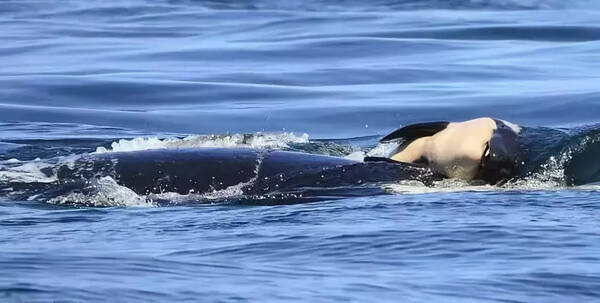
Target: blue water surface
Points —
{"points": [[78, 75]]}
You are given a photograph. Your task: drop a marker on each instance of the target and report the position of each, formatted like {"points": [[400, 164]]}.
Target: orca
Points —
{"points": [[480, 149], [257, 172]]}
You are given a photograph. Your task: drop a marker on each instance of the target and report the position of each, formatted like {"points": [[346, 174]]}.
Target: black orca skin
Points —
{"points": [[201, 170]]}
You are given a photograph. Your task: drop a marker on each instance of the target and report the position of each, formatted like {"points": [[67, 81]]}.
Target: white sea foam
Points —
{"points": [[589, 187], [107, 192], [103, 192], [356, 156], [258, 140], [30, 172], [450, 185], [383, 150], [446, 185], [234, 191]]}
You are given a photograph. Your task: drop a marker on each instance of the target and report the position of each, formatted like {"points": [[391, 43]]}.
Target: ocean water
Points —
{"points": [[321, 76]]}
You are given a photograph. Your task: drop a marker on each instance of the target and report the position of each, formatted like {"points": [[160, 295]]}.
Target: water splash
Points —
{"points": [[553, 171], [102, 192], [29, 172], [385, 150], [448, 185], [258, 140]]}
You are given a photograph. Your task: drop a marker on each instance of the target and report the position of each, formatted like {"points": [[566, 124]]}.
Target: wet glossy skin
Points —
{"points": [[463, 149]]}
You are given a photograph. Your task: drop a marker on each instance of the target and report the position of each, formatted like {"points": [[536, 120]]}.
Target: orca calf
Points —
{"points": [[483, 149]]}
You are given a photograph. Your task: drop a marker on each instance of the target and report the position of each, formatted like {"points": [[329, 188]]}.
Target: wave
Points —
{"points": [[135, 9], [388, 4]]}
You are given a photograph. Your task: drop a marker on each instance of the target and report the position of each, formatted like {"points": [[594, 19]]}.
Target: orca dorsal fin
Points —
{"points": [[412, 132]]}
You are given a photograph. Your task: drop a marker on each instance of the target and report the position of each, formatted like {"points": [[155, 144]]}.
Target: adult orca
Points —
{"points": [[257, 172]]}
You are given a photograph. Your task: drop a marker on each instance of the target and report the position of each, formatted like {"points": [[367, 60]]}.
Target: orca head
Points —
{"points": [[501, 158]]}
